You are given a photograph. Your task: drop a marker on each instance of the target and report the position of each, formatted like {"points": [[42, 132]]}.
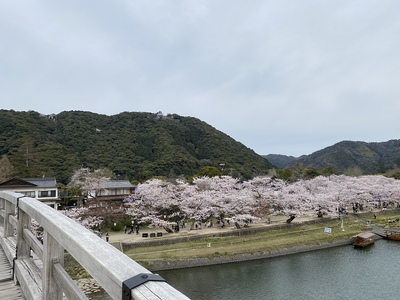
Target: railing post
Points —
{"points": [[23, 248], [8, 211], [2, 201], [52, 252]]}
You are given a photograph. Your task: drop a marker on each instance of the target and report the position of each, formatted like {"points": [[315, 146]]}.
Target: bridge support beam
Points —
{"points": [[24, 222], [52, 253], [9, 211]]}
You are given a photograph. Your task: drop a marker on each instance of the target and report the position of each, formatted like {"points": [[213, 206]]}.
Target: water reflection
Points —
{"points": [[341, 272]]}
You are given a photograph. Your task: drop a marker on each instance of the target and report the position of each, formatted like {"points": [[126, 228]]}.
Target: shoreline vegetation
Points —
{"points": [[268, 241], [264, 243]]}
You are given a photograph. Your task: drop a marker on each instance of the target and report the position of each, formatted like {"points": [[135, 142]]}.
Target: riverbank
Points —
{"points": [[167, 264], [234, 245]]}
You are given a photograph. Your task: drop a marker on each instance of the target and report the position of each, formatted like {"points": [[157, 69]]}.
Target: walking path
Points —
{"points": [[377, 230], [117, 237], [8, 289], [121, 237]]}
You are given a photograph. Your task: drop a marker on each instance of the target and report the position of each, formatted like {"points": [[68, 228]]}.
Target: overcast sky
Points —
{"points": [[283, 77]]}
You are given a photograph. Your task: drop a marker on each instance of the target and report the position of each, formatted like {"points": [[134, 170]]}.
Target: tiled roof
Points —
{"points": [[15, 182], [42, 182], [114, 184]]}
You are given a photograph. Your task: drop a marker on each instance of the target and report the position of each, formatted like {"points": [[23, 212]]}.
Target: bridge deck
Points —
{"points": [[8, 289]]}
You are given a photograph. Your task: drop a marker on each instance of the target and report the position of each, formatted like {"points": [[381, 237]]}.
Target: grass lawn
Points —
{"points": [[382, 218], [263, 241]]}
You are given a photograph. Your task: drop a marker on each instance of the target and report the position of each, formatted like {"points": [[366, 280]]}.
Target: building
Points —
{"points": [[111, 193], [44, 189], [115, 190]]}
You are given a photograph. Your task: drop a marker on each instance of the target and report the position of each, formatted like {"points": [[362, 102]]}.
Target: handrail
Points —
{"points": [[107, 265]]}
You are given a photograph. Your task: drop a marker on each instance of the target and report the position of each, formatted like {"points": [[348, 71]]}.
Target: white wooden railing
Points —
{"points": [[119, 276]]}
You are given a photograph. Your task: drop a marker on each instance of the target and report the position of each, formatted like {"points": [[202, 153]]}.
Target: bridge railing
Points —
{"points": [[39, 265]]}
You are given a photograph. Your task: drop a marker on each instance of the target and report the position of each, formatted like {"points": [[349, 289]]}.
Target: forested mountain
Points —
{"points": [[370, 158], [280, 160], [133, 145]]}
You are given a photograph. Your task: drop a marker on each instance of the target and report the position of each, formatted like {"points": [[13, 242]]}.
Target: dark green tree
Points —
{"points": [[310, 173], [285, 174], [6, 168], [210, 171]]}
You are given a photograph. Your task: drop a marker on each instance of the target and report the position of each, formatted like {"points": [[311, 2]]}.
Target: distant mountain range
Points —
{"points": [[370, 158], [139, 146], [132, 145]]}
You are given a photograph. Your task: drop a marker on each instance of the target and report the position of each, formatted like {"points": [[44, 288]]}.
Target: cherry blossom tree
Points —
{"points": [[90, 182], [228, 198], [156, 202], [81, 216]]}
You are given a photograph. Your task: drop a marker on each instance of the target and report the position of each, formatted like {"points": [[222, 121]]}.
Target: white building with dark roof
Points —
{"points": [[44, 189]]}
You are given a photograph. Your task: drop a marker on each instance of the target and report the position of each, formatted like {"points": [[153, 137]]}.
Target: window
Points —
{"points": [[28, 194], [122, 192], [43, 194]]}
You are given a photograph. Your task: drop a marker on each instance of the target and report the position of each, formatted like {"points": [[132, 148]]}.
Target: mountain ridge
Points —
{"points": [[370, 157], [133, 145]]}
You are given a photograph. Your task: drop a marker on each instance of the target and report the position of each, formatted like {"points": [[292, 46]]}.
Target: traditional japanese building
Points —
{"points": [[44, 189]]}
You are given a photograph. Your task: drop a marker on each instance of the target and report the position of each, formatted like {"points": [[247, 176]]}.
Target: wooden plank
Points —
{"points": [[52, 252], [34, 243], [29, 279], [8, 288], [5, 267], [69, 287]]}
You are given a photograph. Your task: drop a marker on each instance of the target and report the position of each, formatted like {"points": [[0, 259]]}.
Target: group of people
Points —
{"points": [[131, 229], [100, 235]]}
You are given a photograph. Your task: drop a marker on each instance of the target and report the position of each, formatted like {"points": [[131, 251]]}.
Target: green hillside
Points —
{"points": [[134, 145], [369, 158]]}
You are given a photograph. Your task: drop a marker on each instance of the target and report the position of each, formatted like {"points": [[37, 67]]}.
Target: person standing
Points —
{"points": [[107, 237]]}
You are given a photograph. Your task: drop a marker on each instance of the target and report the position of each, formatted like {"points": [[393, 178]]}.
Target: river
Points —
{"points": [[334, 273]]}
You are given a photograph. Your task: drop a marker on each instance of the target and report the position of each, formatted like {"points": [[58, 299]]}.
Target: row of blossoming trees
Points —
{"points": [[226, 197], [159, 202]]}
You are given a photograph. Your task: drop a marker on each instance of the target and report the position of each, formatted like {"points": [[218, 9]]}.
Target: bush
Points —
{"points": [[116, 226]]}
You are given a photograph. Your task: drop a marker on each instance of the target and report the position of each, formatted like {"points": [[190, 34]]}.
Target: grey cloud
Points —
{"points": [[287, 77]]}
